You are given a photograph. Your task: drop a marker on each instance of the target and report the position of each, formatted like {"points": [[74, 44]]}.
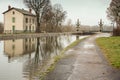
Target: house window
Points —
{"points": [[26, 47], [29, 39], [13, 47], [13, 28], [13, 40], [30, 20], [29, 28], [13, 19], [33, 21], [13, 12], [26, 20], [25, 40]]}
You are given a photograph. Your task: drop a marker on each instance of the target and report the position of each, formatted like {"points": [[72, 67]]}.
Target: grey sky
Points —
{"points": [[88, 11]]}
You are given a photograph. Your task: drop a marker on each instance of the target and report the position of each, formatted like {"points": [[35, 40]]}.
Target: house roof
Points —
{"points": [[25, 12]]}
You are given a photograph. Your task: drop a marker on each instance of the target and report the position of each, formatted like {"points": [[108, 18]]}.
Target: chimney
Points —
{"points": [[9, 7], [30, 10]]}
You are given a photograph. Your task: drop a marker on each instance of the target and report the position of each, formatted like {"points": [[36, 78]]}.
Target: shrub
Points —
{"points": [[1, 27]]}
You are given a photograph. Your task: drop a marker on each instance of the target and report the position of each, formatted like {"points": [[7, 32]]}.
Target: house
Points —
{"points": [[19, 20]]}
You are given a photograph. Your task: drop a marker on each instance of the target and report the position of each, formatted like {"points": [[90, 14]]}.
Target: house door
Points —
{"points": [[13, 29]]}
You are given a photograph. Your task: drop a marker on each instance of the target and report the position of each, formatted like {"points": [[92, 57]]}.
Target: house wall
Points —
{"points": [[29, 26], [9, 23]]}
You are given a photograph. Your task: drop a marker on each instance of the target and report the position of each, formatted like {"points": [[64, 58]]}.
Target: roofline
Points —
{"points": [[18, 11], [7, 10], [29, 15]]}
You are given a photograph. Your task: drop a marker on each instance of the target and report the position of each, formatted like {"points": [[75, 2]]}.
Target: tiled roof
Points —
{"points": [[25, 12]]}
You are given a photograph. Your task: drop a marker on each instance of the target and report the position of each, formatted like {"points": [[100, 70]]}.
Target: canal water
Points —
{"points": [[25, 59]]}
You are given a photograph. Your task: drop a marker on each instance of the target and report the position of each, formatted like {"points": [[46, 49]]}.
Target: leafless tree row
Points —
{"points": [[49, 18]]}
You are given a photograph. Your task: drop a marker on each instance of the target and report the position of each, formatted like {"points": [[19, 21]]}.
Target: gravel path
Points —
{"points": [[84, 62]]}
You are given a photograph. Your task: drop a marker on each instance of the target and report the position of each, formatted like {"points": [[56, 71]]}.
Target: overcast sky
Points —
{"points": [[89, 12]]}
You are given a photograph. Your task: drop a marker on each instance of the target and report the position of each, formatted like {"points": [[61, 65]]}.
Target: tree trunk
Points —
{"points": [[117, 24], [38, 25]]}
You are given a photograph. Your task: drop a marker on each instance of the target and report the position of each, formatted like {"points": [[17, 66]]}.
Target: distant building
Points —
{"points": [[19, 20]]}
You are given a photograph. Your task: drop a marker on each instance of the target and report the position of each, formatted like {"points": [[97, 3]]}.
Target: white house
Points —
{"points": [[19, 20]]}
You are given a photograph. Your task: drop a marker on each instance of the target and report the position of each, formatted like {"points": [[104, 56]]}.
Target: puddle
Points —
{"points": [[87, 45]]}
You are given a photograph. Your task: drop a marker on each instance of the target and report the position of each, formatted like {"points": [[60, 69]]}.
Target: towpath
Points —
{"points": [[84, 62]]}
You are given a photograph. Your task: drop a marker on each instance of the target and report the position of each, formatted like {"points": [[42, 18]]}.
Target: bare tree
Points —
{"points": [[68, 27], [69, 22], [47, 19], [38, 6], [113, 12], [59, 16], [53, 18]]}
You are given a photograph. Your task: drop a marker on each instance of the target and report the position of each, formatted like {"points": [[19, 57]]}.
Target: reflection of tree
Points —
{"points": [[51, 45], [45, 48], [68, 38], [77, 37], [37, 51]]}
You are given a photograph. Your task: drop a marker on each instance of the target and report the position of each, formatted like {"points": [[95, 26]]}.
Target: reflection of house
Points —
{"points": [[16, 48], [19, 20]]}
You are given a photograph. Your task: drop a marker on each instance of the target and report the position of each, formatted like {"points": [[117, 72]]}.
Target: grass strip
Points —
{"points": [[111, 49]]}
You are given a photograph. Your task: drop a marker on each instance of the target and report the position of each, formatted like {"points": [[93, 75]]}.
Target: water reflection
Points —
{"points": [[46, 48], [16, 48], [29, 57], [77, 37]]}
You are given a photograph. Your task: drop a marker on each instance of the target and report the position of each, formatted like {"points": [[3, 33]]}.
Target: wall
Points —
{"points": [[8, 20]]}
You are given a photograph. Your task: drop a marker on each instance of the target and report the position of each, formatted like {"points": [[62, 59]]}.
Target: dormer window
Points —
{"points": [[13, 12]]}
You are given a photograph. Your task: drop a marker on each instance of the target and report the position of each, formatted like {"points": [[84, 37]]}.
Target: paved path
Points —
{"points": [[85, 62]]}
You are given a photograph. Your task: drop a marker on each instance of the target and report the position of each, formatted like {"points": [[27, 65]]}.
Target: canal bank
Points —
{"points": [[84, 62], [29, 35], [35, 35]]}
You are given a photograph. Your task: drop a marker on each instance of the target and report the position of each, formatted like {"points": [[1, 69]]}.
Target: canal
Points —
{"points": [[25, 59]]}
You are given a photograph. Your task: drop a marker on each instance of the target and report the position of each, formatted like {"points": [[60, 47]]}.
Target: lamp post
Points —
{"points": [[101, 25], [78, 25]]}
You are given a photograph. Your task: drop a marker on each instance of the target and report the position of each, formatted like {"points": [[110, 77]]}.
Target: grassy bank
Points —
{"points": [[111, 49]]}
